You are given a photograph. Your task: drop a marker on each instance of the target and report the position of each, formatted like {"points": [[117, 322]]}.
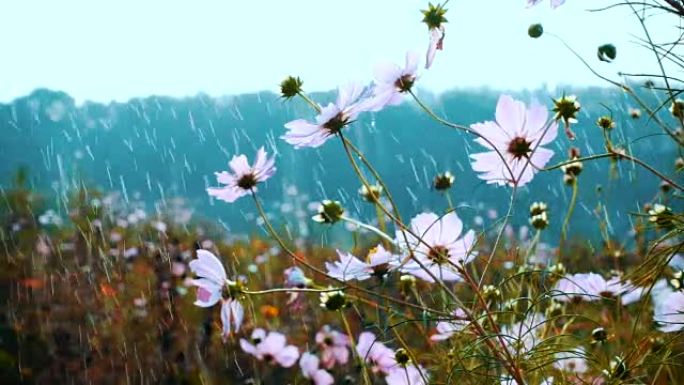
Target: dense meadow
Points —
{"points": [[548, 251]]}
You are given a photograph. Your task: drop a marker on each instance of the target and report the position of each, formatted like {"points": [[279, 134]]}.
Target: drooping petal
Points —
{"points": [[238, 312], [225, 318]]}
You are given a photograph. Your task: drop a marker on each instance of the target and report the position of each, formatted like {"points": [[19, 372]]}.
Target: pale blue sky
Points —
{"points": [[104, 50]]}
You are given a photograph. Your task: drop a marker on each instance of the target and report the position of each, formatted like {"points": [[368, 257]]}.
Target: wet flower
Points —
{"points": [[329, 212], [350, 267], [379, 357], [618, 369], [271, 348], [435, 242], [309, 364], [606, 123], [566, 109], [588, 287], [539, 218], [677, 109], [522, 337], [244, 178], [669, 312], [213, 285], [434, 18], [518, 135], [554, 3], [330, 120], [333, 300], [50, 217], [679, 164], [443, 181], [291, 87], [393, 82], [334, 347], [661, 216], [371, 193], [446, 329], [599, 335]]}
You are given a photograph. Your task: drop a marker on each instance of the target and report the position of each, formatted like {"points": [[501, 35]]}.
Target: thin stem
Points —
{"points": [[566, 221], [352, 342], [373, 229], [294, 256]]}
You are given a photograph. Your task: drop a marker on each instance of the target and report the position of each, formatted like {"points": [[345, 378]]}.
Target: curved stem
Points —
{"points": [[295, 257], [373, 229]]}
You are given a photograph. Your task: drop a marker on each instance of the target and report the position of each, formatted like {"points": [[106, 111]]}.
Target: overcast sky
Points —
{"points": [[115, 50]]}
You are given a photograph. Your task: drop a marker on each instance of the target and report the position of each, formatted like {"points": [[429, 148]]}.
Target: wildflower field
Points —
{"points": [[552, 254]]}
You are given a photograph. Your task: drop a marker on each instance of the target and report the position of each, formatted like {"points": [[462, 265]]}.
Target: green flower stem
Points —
{"points": [[352, 342], [566, 221]]}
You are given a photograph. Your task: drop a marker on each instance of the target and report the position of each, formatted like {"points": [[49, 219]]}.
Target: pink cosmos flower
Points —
{"points": [[446, 329], [375, 353], [350, 267], [271, 348], [554, 3], [436, 43], [310, 369], [212, 278], [588, 287], [334, 347], [437, 246], [210, 285], [409, 375], [515, 134], [669, 312], [393, 82], [522, 337], [330, 120], [244, 177], [572, 361]]}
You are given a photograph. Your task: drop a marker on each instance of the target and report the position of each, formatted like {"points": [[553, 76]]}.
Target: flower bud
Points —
{"points": [[291, 87], [606, 122], [572, 168], [371, 195], [677, 109], [443, 181], [535, 30], [491, 292], [540, 222], [434, 16], [333, 300], [679, 164], [661, 216], [566, 109], [329, 212], [618, 369], [538, 208], [599, 335], [402, 357], [607, 53], [677, 280]]}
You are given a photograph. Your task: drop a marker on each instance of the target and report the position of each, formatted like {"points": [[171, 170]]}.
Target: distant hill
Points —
{"points": [[158, 147]]}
